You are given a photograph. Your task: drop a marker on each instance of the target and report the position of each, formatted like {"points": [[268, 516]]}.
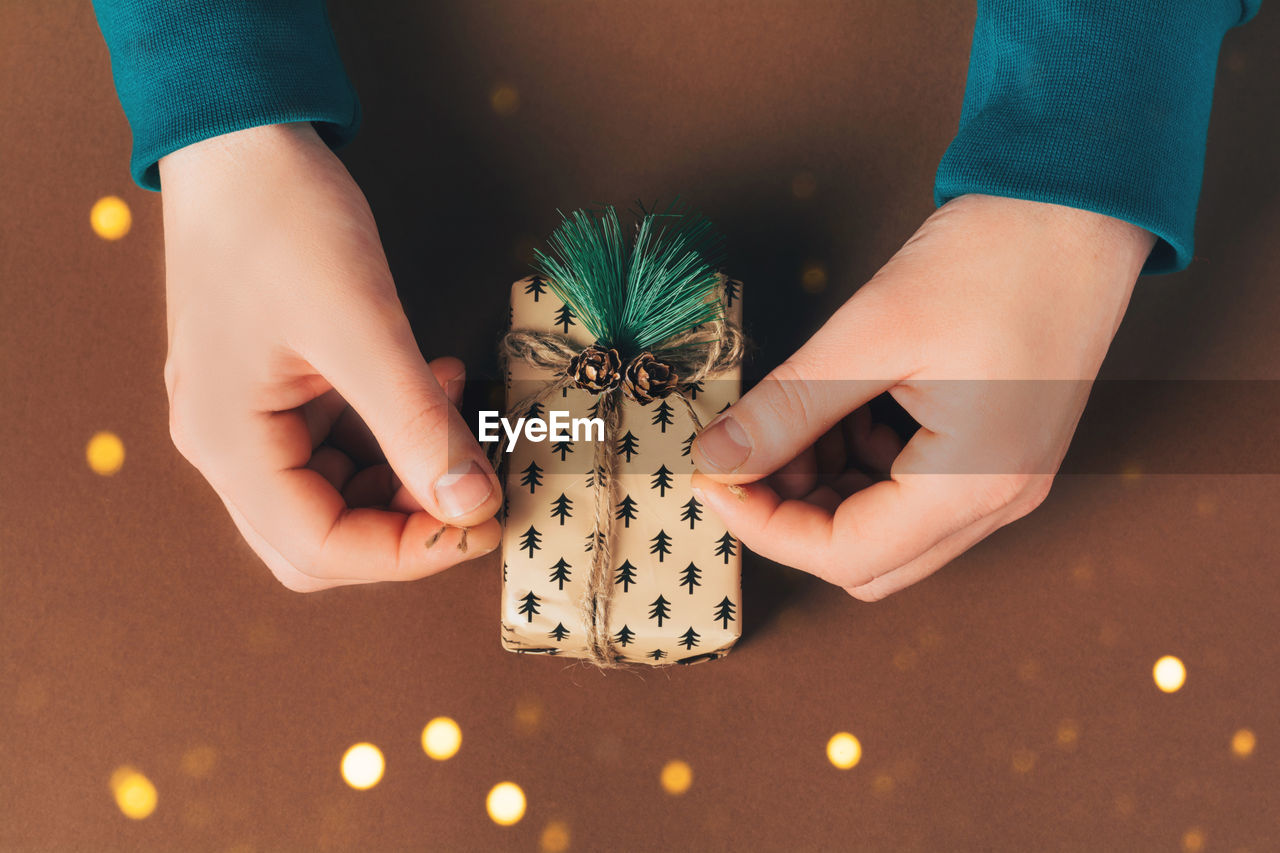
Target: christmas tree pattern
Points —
{"points": [[564, 448], [662, 480], [530, 605], [731, 290], [663, 415], [535, 410], [659, 610], [532, 476], [559, 632], [626, 510], [531, 541], [560, 573], [625, 636], [727, 547], [724, 612], [562, 508], [592, 475], [687, 446], [628, 445], [661, 544], [657, 654], [692, 512], [536, 287], [564, 318], [690, 638], [691, 576], [694, 389], [625, 576]]}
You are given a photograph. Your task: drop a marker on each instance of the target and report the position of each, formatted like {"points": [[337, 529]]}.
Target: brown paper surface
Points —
{"points": [[675, 568]]}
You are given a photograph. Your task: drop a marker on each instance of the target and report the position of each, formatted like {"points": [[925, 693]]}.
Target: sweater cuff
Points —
{"points": [[188, 70], [1096, 105]]}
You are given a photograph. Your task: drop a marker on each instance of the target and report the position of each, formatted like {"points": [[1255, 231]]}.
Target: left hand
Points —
{"points": [[988, 289]]}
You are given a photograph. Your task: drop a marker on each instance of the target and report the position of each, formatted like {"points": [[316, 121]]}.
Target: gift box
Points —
{"points": [[671, 567]]}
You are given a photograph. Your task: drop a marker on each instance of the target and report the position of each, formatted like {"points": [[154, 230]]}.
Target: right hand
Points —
{"points": [[285, 330]]}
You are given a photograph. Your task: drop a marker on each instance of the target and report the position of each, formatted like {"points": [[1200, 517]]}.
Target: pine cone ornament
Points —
{"points": [[596, 369], [647, 379]]}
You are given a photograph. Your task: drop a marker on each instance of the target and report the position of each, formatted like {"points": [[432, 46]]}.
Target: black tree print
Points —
{"points": [[593, 475], [661, 545], [535, 410], [625, 575], [690, 638], [625, 636], [562, 508], [657, 654], [531, 540], [536, 286], [662, 416], [692, 512], [560, 573], [564, 318], [594, 409], [691, 576], [628, 445], [559, 632], [731, 291], [626, 510], [532, 476], [724, 612], [530, 605], [687, 447], [727, 547], [695, 388], [564, 448], [660, 609], [594, 539], [662, 479]]}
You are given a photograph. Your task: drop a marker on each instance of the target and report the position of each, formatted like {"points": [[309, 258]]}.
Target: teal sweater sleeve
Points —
{"points": [[1094, 104], [186, 70]]}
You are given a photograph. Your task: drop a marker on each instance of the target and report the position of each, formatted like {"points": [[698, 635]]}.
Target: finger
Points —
{"points": [[840, 368], [351, 434], [374, 362], [322, 414], [798, 477], [872, 532], [373, 486], [332, 464]]}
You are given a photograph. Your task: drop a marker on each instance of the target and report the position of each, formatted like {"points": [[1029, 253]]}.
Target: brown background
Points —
{"points": [[135, 625]]}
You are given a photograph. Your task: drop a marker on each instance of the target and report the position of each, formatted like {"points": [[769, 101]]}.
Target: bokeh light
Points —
{"points": [[504, 99], [814, 278], [1023, 760], [362, 766], [554, 838], [134, 793], [110, 218], [441, 738], [1193, 840], [1243, 742], [844, 750], [505, 803], [105, 453], [676, 777], [1067, 735], [1169, 674]]}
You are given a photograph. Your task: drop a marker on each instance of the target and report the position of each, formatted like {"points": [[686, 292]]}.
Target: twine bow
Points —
{"points": [[669, 370]]}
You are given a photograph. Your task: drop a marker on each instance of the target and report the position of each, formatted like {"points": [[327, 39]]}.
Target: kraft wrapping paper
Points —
{"points": [[675, 568]]}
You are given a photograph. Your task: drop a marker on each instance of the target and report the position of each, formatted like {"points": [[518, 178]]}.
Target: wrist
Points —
{"points": [[235, 152]]}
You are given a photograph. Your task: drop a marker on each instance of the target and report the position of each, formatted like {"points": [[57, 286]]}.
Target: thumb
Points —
{"points": [[374, 363], [840, 368]]}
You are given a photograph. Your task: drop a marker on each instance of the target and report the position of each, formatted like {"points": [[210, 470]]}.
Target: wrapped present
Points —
{"points": [[607, 553]]}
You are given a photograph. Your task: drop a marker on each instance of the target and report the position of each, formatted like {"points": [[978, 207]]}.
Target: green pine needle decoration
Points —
{"points": [[633, 297]]}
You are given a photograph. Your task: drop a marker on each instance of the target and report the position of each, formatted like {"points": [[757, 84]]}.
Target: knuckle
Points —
{"points": [[1033, 495], [790, 394], [428, 419], [868, 593]]}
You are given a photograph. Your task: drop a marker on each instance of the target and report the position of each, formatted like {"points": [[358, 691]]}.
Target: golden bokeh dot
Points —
{"points": [[676, 777], [844, 750], [198, 761], [554, 837], [1243, 742], [1023, 760], [1193, 840], [804, 185], [441, 738], [504, 99], [813, 278], [505, 803], [110, 218], [1068, 734], [362, 766], [135, 794], [104, 453], [1169, 674]]}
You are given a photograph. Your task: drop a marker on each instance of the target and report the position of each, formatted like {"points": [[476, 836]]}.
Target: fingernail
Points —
{"points": [[724, 444], [463, 487]]}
